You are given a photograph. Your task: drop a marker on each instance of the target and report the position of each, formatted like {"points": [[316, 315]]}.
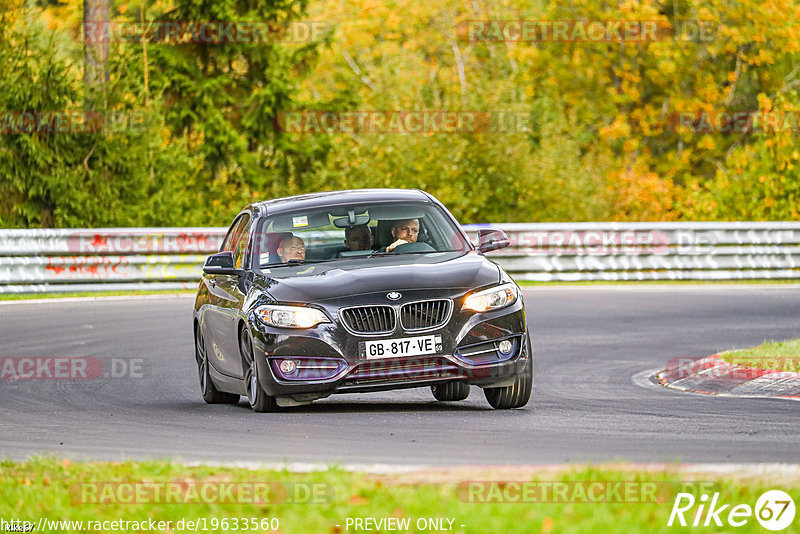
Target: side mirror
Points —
{"points": [[490, 239], [222, 263]]}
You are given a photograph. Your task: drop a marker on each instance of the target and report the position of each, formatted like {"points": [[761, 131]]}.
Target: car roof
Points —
{"points": [[329, 198]]}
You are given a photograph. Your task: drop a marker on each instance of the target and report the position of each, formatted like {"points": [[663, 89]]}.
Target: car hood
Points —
{"points": [[317, 282]]}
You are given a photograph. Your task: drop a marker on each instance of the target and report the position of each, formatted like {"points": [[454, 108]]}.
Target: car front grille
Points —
{"points": [[425, 314], [369, 319], [401, 370]]}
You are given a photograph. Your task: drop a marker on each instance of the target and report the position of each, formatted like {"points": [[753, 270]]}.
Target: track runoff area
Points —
{"points": [[399, 461]]}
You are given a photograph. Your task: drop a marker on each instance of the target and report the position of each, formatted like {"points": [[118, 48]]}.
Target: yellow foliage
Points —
{"points": [[764, 102], [706, 143], [619, 128], [642, 196], [620, 99]]}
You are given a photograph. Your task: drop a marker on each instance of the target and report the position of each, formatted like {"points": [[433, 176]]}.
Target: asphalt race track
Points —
{"points": [[593, 348]]}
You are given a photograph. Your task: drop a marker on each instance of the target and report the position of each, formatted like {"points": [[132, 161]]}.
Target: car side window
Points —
{"points": [[239, 241], [226, 243]]}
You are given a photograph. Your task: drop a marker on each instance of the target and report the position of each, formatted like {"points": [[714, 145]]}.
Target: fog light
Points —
{"points": [[288, 366], [505, 346]]}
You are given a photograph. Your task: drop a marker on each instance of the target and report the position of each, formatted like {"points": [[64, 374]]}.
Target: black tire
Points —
{"points": [[207, 388], [450, 391], [259, 400], [515, 395]]}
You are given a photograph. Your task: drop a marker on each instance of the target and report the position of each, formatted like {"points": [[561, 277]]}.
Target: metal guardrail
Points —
{"points": [[104, 259], [171, 258], [651, 251]]}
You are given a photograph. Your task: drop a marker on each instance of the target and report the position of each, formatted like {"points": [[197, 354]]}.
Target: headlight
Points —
{"points": [[491, 299], [291, 316]]}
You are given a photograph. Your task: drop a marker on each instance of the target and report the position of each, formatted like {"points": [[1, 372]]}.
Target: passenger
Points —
{"points": [[404, 231], [292, 248], [358, 237]]}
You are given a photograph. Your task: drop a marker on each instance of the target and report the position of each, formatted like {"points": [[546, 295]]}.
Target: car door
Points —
{"points": [[224, 303]]}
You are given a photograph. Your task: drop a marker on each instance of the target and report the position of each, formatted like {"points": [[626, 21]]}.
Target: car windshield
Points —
{"points": [[364, 231]]}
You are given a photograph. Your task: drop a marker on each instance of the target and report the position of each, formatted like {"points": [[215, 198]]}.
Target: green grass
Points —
{"points": [[780, 355], [58, 489], [30, 296]]}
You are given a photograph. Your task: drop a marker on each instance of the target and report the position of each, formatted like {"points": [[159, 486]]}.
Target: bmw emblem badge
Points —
{"points": [[394, 295]]}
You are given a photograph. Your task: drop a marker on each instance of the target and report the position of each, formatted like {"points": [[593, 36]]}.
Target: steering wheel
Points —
{"points": [[406, 248]]}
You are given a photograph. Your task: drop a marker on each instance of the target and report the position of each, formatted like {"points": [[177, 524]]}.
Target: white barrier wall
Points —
{"points": [[104, 258], [651, 251], [171, 258]]}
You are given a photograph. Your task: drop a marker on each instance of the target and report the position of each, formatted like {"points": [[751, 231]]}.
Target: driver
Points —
{"points": [[292, 248], [404, 231]]}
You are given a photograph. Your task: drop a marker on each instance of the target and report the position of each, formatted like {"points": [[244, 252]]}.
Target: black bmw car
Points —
{"points": [[358, 291]]}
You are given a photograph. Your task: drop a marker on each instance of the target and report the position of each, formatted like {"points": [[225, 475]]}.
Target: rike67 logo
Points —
{"points": [[774, 510]]}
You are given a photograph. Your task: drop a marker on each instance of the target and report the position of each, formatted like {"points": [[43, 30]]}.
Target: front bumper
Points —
{"points": [[334, 363]]}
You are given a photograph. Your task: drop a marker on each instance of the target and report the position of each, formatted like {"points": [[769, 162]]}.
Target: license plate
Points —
{"points": [[407, 346]]}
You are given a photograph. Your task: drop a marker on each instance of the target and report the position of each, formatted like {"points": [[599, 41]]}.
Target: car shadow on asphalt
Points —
{"points": [[341, 406]]}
